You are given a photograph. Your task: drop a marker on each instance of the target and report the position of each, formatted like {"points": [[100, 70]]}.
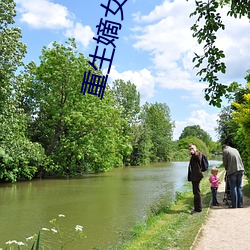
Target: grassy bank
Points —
{"points": [[170, 227]]}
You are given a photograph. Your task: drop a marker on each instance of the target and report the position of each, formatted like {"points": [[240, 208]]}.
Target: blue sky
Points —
{"points": [[154, 50]]}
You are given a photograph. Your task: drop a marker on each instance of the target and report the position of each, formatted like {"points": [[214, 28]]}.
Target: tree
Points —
{"points": [[12, 50], [227, 127], [230, 130], [80, 133], [183, 144], [156, 120], [196, 131], [142, 145], [208, 23], [128, 100], [19, 158], [233, 125], [242, 117]]}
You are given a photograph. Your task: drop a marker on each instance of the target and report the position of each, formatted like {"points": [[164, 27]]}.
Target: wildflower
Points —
{"points": [[45, 229], [61, 215], [54, 230], [10, 242], [29, 238], [78, 228], [20, 243]]}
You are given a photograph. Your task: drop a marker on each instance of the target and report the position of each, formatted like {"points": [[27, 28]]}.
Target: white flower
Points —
{"points": [[10, 242], [29, 238], [20, 243], [45, 229], [54, 230], [61, 215], [78, 228]]}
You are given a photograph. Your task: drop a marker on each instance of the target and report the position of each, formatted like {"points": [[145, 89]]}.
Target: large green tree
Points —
{"points": [[12, 51], [196, 131], [19, 157], [184, 142], [128, 100], [79, 132], [156, 120], [205, 29]]}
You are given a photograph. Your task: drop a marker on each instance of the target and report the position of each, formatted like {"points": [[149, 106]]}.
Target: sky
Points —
{"points": [[154, 49]]}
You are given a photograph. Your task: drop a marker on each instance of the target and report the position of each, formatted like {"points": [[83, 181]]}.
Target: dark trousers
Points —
{"points": [[214, 196], [197, 196]]}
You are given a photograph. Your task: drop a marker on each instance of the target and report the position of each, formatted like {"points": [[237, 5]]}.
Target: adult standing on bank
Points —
{"points": [[195, 175], [235, 169]]}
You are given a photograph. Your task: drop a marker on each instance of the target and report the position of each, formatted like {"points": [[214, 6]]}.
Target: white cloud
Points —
{"points": [[208, 122], [159, 12], [82, 34], [165, 33], [170, 43], [234, 41], [43, 14], [143, 80]]}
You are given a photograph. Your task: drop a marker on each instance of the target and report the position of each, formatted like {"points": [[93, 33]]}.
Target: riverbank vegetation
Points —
{"points": [[170, 226], [48, 129]]}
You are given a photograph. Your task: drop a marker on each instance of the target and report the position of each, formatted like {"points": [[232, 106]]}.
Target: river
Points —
{"points": [[104, 204]]}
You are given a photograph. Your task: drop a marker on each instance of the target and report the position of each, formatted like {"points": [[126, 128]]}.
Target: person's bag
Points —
{"points": [[204, 163]]}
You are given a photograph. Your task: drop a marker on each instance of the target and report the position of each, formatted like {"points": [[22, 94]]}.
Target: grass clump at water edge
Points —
{"points": [[170, 226]]}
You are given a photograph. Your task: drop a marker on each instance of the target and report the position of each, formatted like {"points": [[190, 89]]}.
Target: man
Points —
{"points": [[235, 170], [195, 175]]}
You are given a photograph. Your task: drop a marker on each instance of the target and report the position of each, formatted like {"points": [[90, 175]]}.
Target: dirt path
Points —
{"points": [[225, 228]]}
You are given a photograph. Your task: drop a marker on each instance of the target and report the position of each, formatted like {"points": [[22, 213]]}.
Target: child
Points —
{"points": [[214, 185]]}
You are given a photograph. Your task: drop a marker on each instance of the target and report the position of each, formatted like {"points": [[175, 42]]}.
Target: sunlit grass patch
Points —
{"points": [[170, 226]]}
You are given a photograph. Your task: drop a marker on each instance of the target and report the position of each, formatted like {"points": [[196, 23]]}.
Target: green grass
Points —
{"points": [[170, 226], [246, 188]]}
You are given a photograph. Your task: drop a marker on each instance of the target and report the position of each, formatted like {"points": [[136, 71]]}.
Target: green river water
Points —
{"points": [[104, 204]]}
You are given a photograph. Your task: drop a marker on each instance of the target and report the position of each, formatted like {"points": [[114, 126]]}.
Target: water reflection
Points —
{"points": [[105, 204]]}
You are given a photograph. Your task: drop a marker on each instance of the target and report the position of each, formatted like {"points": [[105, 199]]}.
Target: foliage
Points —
{"points": [[233, 123], [227, 127], [20, 157], [215, 148], [205, 28], [196, 131], [79, 133], [241, 115], [201, 146], [128, 100], [156, 120], [12, 50], [142, 145]]}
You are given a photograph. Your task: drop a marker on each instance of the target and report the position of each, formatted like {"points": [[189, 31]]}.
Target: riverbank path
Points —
{"points": [[225, 228]]}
